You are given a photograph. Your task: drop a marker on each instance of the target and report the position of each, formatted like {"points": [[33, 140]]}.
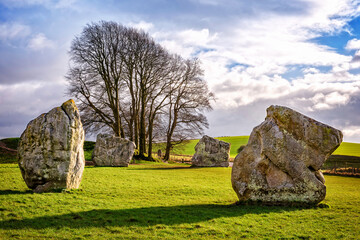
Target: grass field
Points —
{"points": [[167, 201], [189, 147], [346, 148]]}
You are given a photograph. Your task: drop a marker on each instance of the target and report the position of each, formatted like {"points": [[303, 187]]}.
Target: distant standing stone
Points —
{"points": [[159, 153], [281, 163], [211, 152], [112, 151], [50, 151]]}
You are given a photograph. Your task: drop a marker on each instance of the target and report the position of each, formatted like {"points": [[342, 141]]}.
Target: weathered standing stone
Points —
{"points": [[50, 151], [159, 153], [211, 152], [281, 163], [112, 151]]}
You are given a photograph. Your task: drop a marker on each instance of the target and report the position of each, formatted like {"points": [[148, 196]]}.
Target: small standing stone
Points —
{"points": [[281, 163], [211, 152], [159, 153], [112, 151], [50, 151]]}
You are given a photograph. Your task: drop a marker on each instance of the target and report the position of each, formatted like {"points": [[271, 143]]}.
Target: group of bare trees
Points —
{"points": [[128, 84]]}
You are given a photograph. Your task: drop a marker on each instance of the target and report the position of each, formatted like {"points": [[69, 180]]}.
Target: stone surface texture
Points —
{"points": [[112, 151], [211, 152], [50, 151], [281, 163]]}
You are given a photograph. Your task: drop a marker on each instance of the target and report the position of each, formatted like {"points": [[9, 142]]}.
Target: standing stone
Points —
{"points": [[211, 152], [281, 163], [159, 153], [50, 151], [112, 151]]}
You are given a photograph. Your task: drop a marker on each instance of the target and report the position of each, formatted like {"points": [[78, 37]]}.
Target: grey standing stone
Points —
{"points": [[112, 151], [211, 152], [281, 163], [50, 151]]}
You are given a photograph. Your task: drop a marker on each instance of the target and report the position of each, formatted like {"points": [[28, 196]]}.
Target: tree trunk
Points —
{"points": [[142, 133], [168, 148], [169, 137], [150, 131]]}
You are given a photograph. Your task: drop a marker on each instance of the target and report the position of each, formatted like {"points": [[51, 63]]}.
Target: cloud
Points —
{"points": [[40, 42], [254, 54], [351, 132], [353, 44], [23, 102], [50, 4], [13, 30], [145, 26]]}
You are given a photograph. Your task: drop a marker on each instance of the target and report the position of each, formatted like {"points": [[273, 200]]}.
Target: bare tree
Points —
{"points": [[95, 75], [130, 85], [187, 103]]}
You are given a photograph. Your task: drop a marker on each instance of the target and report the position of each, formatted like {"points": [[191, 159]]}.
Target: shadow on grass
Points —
{"points": [[15, 192], [142, 217], [162, 168]]}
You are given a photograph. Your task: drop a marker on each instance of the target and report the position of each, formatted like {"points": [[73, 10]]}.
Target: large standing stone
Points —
{"points": [[281, 163], [211, 152], [112, 151], [50, 152]]}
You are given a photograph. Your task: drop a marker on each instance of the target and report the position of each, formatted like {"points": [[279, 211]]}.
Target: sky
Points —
{"points": [[303, 54]]}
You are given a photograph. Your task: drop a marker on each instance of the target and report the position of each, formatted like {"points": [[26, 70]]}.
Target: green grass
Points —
{"points": [[346, 148], [88, 149], [11, 142], [236, 142], [162, 201], [188, 148], [349, 149]]}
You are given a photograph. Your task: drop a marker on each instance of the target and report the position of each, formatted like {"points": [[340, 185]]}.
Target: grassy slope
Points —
{"points": [[189, 147], [158, 201], [346, 148], [12, 143], [350, 149]]}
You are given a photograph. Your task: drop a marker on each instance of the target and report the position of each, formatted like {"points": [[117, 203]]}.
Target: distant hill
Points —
{"points": [[8, 148], [346, 148], [8, 151]]}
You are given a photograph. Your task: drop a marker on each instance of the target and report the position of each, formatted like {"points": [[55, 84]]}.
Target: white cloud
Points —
{"points": [[329, 101], [146, 26], [311, 70], [353, 44], [51, 4], [10, 31], [351, 131], [39, 42], [187, 42], [196, 37]]}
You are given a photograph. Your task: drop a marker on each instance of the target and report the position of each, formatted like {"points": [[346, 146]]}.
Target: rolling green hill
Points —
{"points": [[188, 148], [346, 148]]}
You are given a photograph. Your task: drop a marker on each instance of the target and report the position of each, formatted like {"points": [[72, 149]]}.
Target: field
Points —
{"points": [[346, 148], [167, 201]]}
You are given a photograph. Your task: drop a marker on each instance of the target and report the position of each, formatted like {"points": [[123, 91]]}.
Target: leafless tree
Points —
{"points": [[187, 104], [130, 85], [96, 75]]}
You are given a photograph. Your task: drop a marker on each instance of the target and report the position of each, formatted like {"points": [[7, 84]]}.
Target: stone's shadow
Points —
{"points": [[143, 217], [163, 168], [15, 192]]}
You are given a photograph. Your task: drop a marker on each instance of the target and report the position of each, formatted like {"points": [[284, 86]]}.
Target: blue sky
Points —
{"points": [[301, 54]]}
